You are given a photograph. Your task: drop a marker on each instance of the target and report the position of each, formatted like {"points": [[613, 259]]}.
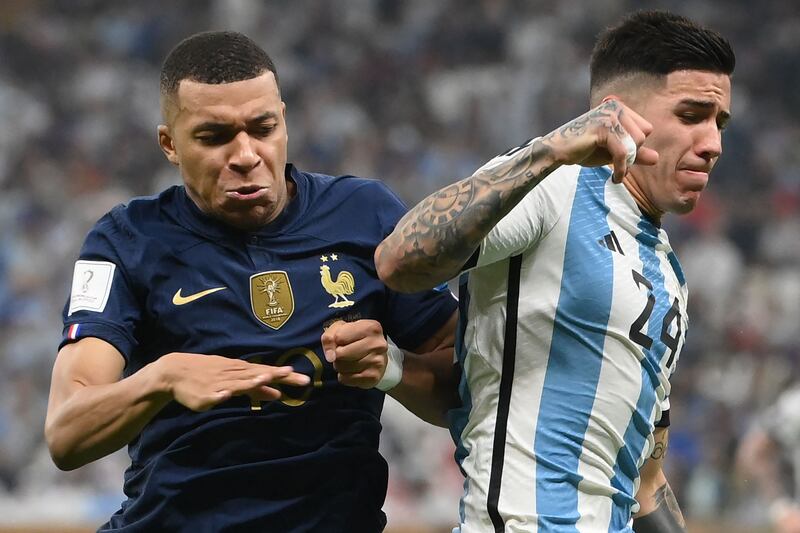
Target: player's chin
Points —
{"points": [[686, 203], [246, 218]]}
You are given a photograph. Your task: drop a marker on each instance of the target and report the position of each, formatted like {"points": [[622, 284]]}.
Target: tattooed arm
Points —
{"points": [[432, 242], [658, 508]]}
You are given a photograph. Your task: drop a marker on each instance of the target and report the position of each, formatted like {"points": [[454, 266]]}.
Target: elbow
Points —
{"points": [[386, 267], [60, 453], [64, 461], [399, 276]]}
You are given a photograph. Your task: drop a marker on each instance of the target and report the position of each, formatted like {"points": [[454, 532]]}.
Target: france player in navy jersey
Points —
{"points": [[230, 331], [573, 312]]}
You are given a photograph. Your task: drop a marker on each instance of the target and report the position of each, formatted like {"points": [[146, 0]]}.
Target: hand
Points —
{"points": [[599, 136], [357, 351], [200, 382]]}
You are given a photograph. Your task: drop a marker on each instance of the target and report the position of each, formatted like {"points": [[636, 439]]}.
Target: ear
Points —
{"points": [[611, 96], [167, 145]]}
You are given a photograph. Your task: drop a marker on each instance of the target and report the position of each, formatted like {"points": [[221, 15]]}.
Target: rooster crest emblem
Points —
{"points": [[341, 287]]}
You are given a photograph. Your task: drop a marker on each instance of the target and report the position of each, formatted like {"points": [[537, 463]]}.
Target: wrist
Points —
{"points": [[158, 378], [393, 374]]}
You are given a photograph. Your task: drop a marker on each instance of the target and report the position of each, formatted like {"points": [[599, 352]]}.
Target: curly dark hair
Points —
{"points": [[214, 57]]}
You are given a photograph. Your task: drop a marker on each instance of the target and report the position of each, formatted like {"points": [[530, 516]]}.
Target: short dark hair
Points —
{"points": [[214, 57], [657, 43]]}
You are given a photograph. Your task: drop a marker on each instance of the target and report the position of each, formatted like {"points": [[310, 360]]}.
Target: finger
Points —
{"points": [[350, 367], [646, 156], [329, 340], [350, 332], [374, 361], [363, 380], [630, 148], [283, 376], [639, 129], [264, 394], [295, 379], [641, 123], [361, 348], [620, 152]]}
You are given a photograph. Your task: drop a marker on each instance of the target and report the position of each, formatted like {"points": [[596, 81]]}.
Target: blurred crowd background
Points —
{"points": [[417, 93]]}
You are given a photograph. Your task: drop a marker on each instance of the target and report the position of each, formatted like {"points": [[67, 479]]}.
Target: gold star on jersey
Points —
{"points": [[340, 288]]}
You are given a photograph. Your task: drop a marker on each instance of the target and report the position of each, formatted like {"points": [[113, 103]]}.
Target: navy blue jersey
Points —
{"points": [[158, 276]]}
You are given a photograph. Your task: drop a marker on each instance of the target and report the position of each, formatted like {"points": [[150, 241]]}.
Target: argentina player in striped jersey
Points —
{"points": [[573, 304]]}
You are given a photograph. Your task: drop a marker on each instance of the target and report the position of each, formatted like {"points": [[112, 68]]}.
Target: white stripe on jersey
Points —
{"points": [[585, 391]]}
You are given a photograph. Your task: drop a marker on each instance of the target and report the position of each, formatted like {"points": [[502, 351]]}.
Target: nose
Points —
{"points": [[244, 157], [708, 143]]}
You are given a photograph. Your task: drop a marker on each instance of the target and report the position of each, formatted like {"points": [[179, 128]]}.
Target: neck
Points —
{"points": [[644, 203]]}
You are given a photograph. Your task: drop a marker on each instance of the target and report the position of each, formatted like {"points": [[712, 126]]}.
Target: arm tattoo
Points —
{"points": [[659, 451], [609, 113], [435, 238], [432, 242], [667, 517]]}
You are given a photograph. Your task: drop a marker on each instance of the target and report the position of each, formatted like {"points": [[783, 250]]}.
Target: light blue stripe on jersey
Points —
{"points": [[576, 355], [458, 417], [625, 471]]}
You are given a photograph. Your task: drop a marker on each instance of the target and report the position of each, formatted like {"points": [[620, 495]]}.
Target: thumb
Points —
{"points": [[329, 341]]}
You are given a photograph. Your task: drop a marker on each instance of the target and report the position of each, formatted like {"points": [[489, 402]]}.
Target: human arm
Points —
{"points": [[434, 240], [92, 412], [758, 457], [658, 508], [429, 385]]}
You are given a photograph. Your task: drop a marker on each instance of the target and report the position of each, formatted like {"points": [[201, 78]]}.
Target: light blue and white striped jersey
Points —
{"points": [[572, 320]]}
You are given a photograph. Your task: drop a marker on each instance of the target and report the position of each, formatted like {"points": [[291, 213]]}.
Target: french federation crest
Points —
{"points": [[341, 287], [271, 298]]}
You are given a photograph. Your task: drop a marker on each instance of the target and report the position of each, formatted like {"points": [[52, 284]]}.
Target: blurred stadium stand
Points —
{"points": [[417, 93]]}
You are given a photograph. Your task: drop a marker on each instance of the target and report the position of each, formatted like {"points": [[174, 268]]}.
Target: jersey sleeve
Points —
{"points": [[663, 421], [102, 301], [414, 318], [531, 219]]}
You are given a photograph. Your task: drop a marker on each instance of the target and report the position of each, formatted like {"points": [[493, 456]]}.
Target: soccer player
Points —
{"points": [[194, 329], [573, 306]]}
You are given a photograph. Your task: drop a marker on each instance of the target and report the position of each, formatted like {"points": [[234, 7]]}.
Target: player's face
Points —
{"points": [[229, 141], [688, 114]]}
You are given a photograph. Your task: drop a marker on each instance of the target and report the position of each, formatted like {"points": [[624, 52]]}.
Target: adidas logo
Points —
{"points": [[611, 242]]}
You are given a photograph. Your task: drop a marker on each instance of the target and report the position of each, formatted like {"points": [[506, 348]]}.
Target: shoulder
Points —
{"points": [[357, 196], [139, 215], [348, 187], [130, 227], [365, 205]]}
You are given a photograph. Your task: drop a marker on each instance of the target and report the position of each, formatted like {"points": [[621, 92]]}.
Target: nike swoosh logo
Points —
{"points": [[182, 300]]}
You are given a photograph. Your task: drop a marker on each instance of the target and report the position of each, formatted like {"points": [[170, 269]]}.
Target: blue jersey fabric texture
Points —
{"points": [[309, 462]]}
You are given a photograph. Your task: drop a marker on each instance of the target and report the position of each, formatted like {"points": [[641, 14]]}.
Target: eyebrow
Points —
{"points": [[724, 116], [222, 126]]}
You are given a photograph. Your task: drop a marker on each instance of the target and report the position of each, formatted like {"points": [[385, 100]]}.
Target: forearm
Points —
{"points": [[433, 240], [97, 420], [660, 514], [429, 387]]}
